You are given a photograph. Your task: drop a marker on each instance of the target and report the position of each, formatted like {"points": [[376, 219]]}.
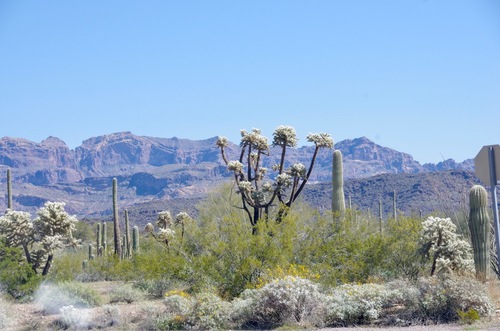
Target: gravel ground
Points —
{"points": [[24, 317]]}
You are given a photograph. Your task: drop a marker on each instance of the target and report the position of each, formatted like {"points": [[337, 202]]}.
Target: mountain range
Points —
{"points": [[172, 173]]}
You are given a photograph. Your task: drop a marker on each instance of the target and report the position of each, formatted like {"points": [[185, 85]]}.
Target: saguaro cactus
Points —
{"points": [[394, 206], [135, 239], [91, 252], [128, 251], [98, 241], [479, 225], [9, 189], [116, 225], [380, 214], [104, 240], [338, 200]]}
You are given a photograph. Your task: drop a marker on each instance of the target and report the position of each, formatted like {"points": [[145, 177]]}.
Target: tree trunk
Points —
{"points": [[48, 264]]}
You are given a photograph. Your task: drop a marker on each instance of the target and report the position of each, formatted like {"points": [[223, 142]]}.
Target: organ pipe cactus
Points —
{"points": [[479, 225], [338, 200], [116, 225], [9, 189]]}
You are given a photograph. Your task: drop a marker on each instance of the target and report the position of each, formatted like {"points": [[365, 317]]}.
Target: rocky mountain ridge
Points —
{"points": [[162, 169]]}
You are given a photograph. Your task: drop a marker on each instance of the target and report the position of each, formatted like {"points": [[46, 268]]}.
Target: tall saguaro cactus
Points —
{"points": [[128, 251], [116, 224], [9, 189], [338, 200], [479, 225], [135, 239], [98, 241], [394, 206], [104, 239]]}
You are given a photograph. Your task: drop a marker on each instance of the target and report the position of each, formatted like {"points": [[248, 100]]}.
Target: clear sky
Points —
{"points": [[421, 77]]}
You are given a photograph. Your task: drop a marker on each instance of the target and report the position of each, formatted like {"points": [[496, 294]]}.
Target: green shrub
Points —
{"points": [[125, 293], [352, 304], [468, 317], [438, 300], [209, 312], [291, 301], [154, 287], [17, 278], [178, 304]]}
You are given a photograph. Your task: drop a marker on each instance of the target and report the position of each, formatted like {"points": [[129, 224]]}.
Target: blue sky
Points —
{"points": [[422, 77]]}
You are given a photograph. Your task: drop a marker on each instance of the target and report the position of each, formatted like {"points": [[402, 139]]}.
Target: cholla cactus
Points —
{"points": [[181, 219], [17, 228], [440, 242], [149, 228], [257, 194], [42, 237], [164, 219]]}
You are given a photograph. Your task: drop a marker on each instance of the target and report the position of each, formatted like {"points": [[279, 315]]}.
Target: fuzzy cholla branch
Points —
{"points": [[165, 234], [54, 220], [182, 218], [285, 136], [17, 227], [245, 187], [149, 228], [164, 219], [321, 140], [222, 142], [235, 166], [297, 170], [254, 139]]}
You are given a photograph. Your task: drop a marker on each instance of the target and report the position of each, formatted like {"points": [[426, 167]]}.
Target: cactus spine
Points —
{"points": [[128, 251], [135, 239], [116, 225], [338, 200], [9, 189], [479, 225]]}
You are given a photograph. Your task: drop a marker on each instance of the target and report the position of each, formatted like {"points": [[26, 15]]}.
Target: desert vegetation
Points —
{"points": [[255, 257]]}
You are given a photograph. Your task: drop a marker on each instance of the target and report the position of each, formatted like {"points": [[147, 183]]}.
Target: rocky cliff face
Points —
{"points": [[42, 163], [163, 168], [103, 154]]}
